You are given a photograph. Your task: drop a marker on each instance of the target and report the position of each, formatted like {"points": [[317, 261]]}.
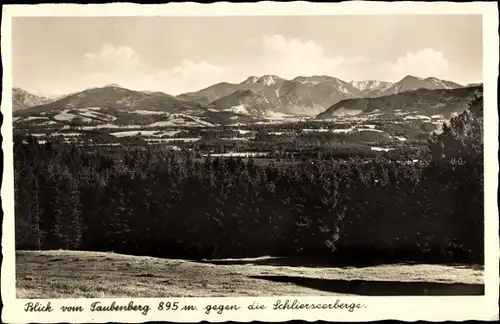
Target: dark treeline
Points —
{"points": [[162, 203]]}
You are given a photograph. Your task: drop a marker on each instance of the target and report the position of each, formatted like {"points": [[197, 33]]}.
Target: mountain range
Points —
{"points": [[254, 99], [312, 95]]}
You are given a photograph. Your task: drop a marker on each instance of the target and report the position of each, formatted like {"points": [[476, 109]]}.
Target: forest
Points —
{"points": [[147, 200]]}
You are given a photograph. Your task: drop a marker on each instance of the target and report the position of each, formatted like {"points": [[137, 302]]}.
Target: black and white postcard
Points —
{"points": [[259, 161]]}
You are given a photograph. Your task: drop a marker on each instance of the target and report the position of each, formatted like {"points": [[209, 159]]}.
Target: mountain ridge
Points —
{"points": [[424, 102], [22, 99], [306, 95], [410, 82], [370, 85]]}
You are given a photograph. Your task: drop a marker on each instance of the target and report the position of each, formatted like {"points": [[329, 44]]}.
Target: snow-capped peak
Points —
{"points": [[112, 85], [369, 84], [363, 85], [268, 79], [20, 91], [251, 79], [411, 77], [439, 83]]}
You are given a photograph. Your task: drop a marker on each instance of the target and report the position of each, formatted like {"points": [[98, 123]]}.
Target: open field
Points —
{"points": [[71, 274]]}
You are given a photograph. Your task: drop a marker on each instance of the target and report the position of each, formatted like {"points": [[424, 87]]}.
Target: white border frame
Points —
{"points": [[430, 308]]}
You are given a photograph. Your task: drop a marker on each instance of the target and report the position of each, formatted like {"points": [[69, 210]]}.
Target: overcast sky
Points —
{"points": [[179, 54]]}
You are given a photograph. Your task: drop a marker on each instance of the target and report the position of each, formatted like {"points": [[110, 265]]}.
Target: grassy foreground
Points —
{"points": [[72, 274]]}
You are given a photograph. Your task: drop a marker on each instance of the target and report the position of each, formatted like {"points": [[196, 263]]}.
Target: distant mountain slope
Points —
{"points": [[370, 85], [211, 93], [214, 92], [243, 102], [114, 107], [422, 102], [312, 95], [22, 99], [271, 95], [115, 97], [410, 82]]}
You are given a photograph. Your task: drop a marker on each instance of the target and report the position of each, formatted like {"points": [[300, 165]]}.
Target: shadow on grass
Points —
{"points": [[290, 262], [325, 263], [379, 288]]}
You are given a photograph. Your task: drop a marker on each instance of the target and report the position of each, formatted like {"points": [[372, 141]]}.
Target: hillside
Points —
{"points": [[421, 103], [107, 118]]}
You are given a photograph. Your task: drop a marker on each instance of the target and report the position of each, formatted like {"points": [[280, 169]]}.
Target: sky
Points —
{"points": [[58, 55]]}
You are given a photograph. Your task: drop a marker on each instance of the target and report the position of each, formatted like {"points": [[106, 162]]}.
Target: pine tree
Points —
{"points": [[117, 226], [462, 139]]}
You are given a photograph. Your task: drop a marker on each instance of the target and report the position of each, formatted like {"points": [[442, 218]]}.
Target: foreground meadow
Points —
{"points": [[72, 274]]}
